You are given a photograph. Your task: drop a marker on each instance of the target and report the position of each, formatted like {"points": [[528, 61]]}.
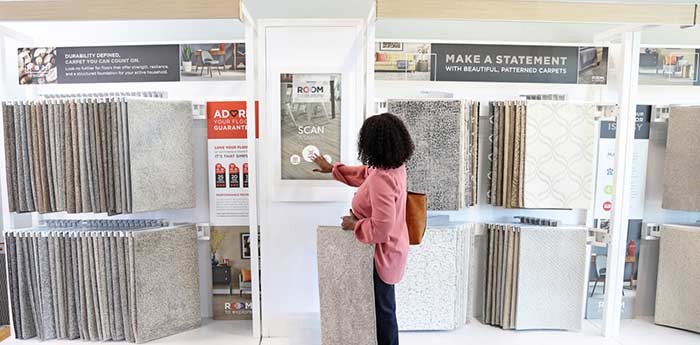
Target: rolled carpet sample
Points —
{"points": [[346, 288]]}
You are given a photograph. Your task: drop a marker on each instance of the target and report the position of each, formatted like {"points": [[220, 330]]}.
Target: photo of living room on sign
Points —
{"points": [[231, 274], [212, 61], [402, 61]]}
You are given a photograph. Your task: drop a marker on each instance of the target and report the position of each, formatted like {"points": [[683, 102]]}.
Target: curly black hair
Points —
{"points": [[384, 142]]}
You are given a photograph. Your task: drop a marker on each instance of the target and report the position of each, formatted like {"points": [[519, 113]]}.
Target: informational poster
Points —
{"points": [[230, 272], [491, 63], [669, 66], [310, 123], [606, 166], [228, 162], [131, 64]]}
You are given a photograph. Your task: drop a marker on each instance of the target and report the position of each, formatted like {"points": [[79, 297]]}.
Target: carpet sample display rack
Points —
{"points": [[99, 155], [444, 164], [102, 280], [524, 258], [541, 154]]}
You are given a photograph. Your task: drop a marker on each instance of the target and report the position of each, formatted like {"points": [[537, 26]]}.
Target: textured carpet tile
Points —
{"points": [[438, 128], [558, 155], [46, 271], [10, 161], [555, 258], [477, 272], [157, 315], [682, 169], [161, 179], [20, 145], [345, 277], [436, 265], [647, 273], [677, 303]]}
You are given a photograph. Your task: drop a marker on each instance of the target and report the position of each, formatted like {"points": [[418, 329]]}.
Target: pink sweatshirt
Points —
{"points": [[380, 206]]}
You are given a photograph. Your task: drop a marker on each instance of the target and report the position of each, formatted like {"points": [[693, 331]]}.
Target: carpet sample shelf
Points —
{"points": [[111, 156], [541, 154], [346, 288], [520, 261], [444, 164], [94, 282], [677, 302]]}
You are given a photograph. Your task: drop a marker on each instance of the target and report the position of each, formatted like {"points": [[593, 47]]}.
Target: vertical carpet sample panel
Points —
{"points": [[10, 161], [163, 312], [437, 167], [346, 288], [161, 152], [554, 258], [682, 170], [647, 272], [558, 155], [677, 303], [430, 295]]}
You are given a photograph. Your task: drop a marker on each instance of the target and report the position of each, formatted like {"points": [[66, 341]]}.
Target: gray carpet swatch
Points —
{"points": [[437, 126], [345, 276], [682, 169], [677, 303], [10, 161], [20, 146], [444, 257], [47, 270], [544, 260], [86, 205], [153, 321], [161, 179]]}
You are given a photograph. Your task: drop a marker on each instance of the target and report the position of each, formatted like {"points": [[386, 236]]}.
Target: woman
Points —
{"points": [[378, 214]]}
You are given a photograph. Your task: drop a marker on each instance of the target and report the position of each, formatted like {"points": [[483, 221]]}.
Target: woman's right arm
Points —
{"points": [[352, 176]]}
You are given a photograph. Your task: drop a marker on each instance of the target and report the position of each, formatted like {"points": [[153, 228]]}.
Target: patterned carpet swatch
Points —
{"points": [[98, 156], [346, 288], [682, 170], [440, 265], [677, 303], [444, 164], [89, 281], [541, 154], [519, 262]]}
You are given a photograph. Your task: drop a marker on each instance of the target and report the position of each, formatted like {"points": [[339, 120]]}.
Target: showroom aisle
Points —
{"points": [[637, 332], [211, 333]]}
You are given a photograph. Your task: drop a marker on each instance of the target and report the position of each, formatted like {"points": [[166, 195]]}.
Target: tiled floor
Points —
{"points": [[634, 332]]}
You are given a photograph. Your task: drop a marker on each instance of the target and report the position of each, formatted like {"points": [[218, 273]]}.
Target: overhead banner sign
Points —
{"points": [[227, 131], [131, 64], [491, 63], [669, 66]]}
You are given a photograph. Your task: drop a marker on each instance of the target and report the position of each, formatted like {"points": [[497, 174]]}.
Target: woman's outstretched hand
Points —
{"points": [[323, 165]]}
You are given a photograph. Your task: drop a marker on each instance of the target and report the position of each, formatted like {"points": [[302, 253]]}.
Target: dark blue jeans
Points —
{"points": [[385, 309]]}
